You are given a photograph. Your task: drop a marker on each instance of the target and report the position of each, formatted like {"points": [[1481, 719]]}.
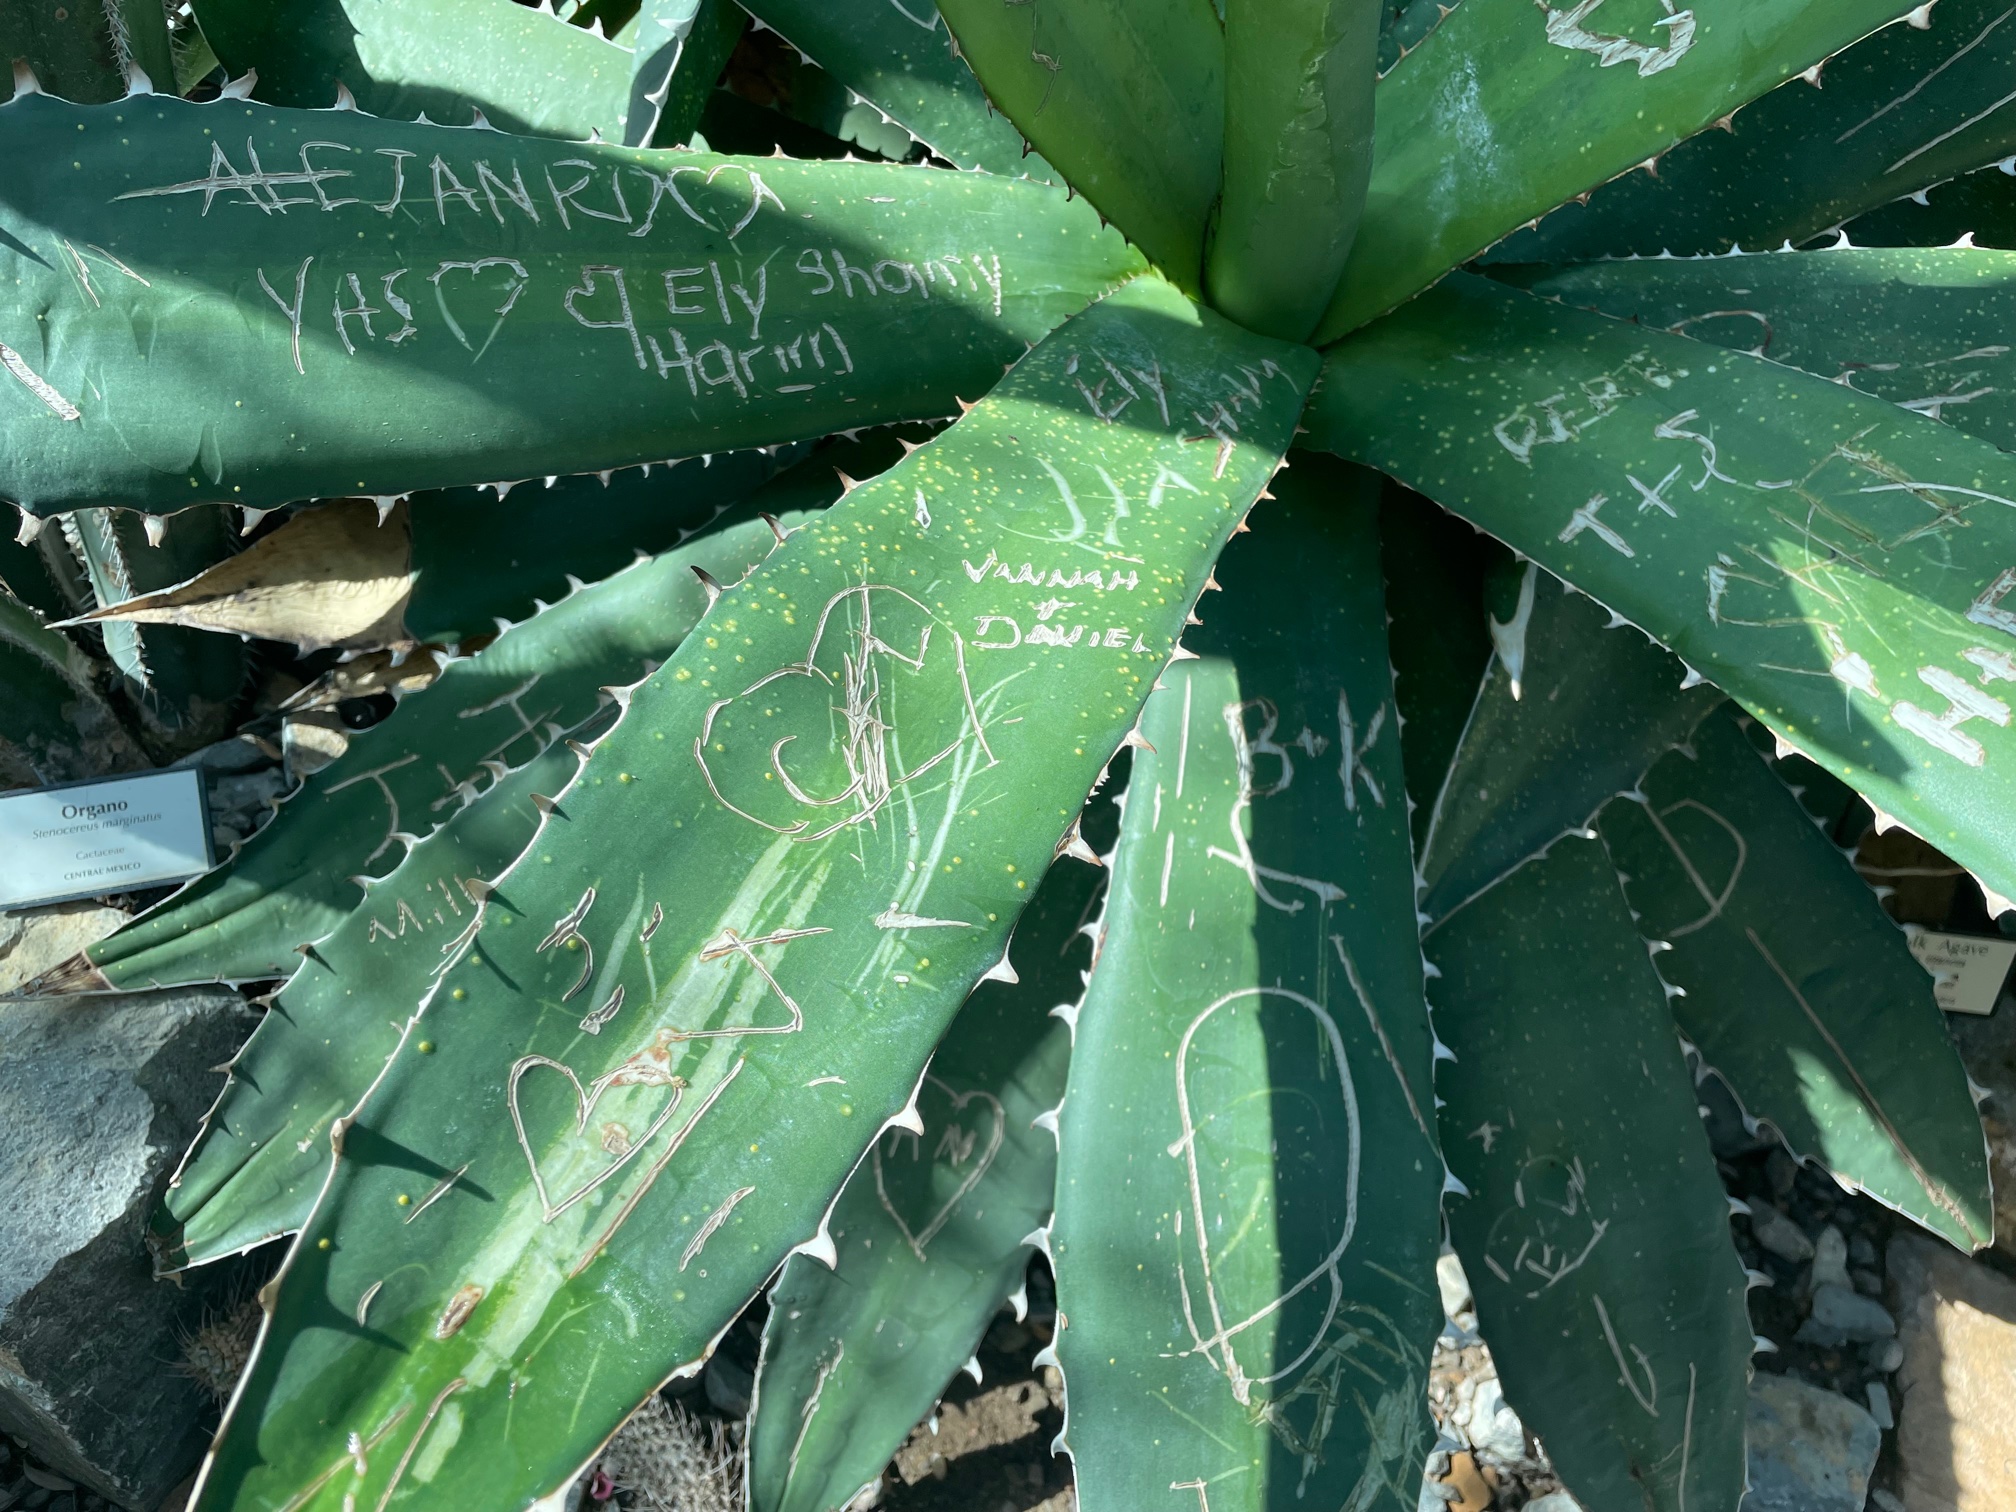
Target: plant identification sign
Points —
{"points": [[89, 838], [1970, 969]]}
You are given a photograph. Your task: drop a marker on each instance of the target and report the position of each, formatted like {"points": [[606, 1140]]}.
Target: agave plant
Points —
{"points": [[739, 909]]}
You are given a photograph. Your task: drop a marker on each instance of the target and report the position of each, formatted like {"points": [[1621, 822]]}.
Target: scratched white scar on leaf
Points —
{"points": [[1565, 29], [1549, 1231], [879, 701], [959, 1137], [647, 1067], [1217, 1316]]}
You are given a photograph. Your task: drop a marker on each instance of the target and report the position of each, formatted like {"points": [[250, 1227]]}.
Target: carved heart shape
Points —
{"points": [[948, 1132], [758, 192], [632, 1073], [1213, 1081], [495, 284], [870, 644]]}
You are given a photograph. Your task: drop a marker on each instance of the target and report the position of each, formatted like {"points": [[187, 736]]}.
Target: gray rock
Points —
{"points": [[34, 939], [1885, 1355], [228, 758], [311, 741], [243, 801], [1492, 1427], [101, 1096], [1455, 1288], [1554, 1501], [1841, 1316], [1866, 1282], [1862, 1252], [1879, 1404], [1956, 1433], [1810, 1450], [1779, 1234], [1830, 1259]]}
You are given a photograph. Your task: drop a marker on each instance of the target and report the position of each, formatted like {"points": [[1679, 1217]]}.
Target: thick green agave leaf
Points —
{"points": [[1595, 1230], [86, 51], [183, 683], [1923, 329], [547, 308], [811, 114], [1836, 564], [1911, 106], [42, 572], [1509, 108], [932, 1232], [900, 56], [1125, 97], [194, 59], [259, 1161], [1568, 714], [1797, 988], [255, 1170], [471, 567], [679, 47], [296, 879], [524, 69], [768, 888], [1247, 1199], [1298, 154], [1438, 634], [1978, 207], [55, 726], [1403, 25]]}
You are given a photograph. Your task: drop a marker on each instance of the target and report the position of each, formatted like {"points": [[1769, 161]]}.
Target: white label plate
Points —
{"points": [[1970, 968], [91, 838]]}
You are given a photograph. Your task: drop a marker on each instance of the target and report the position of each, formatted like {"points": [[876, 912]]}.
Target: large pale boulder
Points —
{"points": [[98, 1098], [1956, 1427]]}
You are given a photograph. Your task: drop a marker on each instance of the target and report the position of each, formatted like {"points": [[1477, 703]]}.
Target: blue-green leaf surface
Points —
{"points": [[1797, 987], [719, 970], [932, 1232], [1247, 1192], [1595, 1231], [1843, 568]]}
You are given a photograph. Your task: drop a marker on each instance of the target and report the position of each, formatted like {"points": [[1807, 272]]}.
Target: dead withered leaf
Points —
{"points": [[334, 575]]}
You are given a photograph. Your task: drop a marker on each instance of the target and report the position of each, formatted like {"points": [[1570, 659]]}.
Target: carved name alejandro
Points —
{"points": [[715, 342]]}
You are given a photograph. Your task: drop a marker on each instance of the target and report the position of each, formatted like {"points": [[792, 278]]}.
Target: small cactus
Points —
{"points": [[214, 1355], [672, 1461]]}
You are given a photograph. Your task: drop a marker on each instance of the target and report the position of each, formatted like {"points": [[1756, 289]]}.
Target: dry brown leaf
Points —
{"points": [[366, 676], [331, 576]]}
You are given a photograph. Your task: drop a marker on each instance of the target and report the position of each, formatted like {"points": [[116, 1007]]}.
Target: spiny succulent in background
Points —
{"points": [[214, 1355], [672, 1461], [731, 914]]}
